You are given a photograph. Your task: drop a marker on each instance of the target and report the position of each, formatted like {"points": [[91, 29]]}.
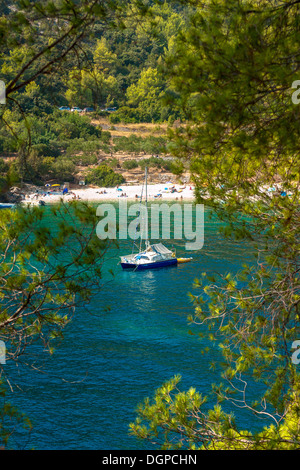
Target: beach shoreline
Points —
{"points": [[155, 192], [159, 192]]}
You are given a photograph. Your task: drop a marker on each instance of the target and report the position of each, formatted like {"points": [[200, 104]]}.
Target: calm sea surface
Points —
{"points": [[132, 337]]}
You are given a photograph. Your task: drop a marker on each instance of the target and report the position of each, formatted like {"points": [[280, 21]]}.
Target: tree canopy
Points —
{"points": [[227, 69], [233, 70]]}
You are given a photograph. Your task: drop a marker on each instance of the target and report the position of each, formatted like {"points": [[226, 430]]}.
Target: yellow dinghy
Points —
{"points": [[183, 260]]}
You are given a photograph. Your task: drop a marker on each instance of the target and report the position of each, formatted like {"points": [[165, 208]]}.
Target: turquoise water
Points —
{"points": [[131, 338]]}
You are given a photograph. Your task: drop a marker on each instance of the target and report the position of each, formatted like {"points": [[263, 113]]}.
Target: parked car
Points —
{"points": [[64, 108], [76, 109], [88, 110], [108, 109]]}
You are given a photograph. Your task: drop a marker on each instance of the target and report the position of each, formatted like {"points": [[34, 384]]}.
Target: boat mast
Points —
{"points": [[144, 221], [146, 176], [144, 226]]}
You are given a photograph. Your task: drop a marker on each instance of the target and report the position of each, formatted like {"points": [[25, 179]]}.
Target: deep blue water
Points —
{"points": [[132, 337]]}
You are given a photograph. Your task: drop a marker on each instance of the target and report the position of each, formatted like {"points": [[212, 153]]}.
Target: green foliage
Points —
{"points": [[3, 184], [144, 101], [13, 174], [179, 420], [52, 54], [232, 71], [137, 144], [176, 167], [146, 95], [44, 168], [84, 159], [157, 162], [90, 88], [87, 147], [112, 163], [69, 137], [47, 271], [52, 134], [120, 67], [3, 166], [64, 169], [124, 114], [11, 421], [130, 164], [131, 144], [226, 68], [69, 126], [104, 176]]}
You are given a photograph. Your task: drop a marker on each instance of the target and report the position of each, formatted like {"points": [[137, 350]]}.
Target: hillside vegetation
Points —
{"points": [[116, 76]]}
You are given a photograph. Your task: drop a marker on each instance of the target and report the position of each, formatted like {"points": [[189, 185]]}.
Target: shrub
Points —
{"points": [[113, 163], [3, 184], [13, 174], [64, 169], [124, 114], [84, 159], [130, 164], [104, 176], [3, 166], [155, 162]]}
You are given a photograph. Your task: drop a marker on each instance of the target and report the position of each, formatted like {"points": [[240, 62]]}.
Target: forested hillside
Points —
{"points": [[111, 67], [113, 71]]}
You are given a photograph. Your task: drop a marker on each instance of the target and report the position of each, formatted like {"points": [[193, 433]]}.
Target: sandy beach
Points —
{"points": [[155, 192]]}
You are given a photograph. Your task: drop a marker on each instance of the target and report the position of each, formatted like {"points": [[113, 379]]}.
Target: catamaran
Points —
{"points": [[150, 256], [153, 256]]}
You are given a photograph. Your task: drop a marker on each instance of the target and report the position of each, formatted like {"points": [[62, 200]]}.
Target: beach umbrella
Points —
{"points": [[47, 185], [55, 184]]}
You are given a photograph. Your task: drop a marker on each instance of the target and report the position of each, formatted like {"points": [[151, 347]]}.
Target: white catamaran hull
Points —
{"points": [[152, 257], [155, 256], [157, 264]]}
